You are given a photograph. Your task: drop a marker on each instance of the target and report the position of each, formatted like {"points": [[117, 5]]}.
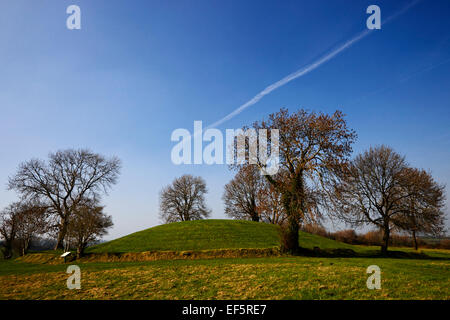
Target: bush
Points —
{"points": [[436, 244], [403, 241], [347, 236], [372, 238], [315, 229], [444, 244]]}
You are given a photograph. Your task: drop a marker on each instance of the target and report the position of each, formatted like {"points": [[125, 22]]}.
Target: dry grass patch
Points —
{"points": [[265, 278]]}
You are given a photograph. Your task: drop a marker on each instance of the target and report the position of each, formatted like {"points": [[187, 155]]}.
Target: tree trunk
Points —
{"points": [[293, 203], [386, 234], [292, 232], [61, 234], [416, 246], [80, 250], [26, 246], [255, 217], [7, 252], [253, 210]]}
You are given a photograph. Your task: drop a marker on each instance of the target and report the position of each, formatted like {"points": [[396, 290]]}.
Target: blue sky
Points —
{"points": [[137, 70]]}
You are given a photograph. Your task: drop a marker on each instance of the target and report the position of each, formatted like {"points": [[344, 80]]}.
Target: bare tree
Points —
{"points": [[249, 196], [271, 204], [422, 207], [64, 181], [19, 223], [241, 196], [32, 221], [88, 224], [184, 200], [313, 146], [374, 190]]}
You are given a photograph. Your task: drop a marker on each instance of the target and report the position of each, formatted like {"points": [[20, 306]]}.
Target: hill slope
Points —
{"points": [[207, 235]]}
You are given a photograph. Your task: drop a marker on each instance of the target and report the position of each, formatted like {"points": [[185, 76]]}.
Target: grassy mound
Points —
{"points": [[207, 235]]}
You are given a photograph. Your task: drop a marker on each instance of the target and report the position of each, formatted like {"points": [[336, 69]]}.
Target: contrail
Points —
{"points": [[308, 68]]}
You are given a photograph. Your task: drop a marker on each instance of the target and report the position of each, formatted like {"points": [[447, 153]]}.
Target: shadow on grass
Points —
{"points": [[349, 253], [52, 258]]}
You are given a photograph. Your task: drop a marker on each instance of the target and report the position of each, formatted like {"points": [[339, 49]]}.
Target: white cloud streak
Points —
{"points": [[308, 68]]}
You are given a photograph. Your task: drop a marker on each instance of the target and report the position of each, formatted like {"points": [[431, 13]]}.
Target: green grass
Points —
{"points": [[284, 277], [244, 278], [226, 234], [209, 234]]}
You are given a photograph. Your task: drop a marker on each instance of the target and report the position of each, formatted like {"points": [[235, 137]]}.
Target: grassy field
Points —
{"points": [[245, 278], [209, 234], [284, 277], [196, 235]]}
